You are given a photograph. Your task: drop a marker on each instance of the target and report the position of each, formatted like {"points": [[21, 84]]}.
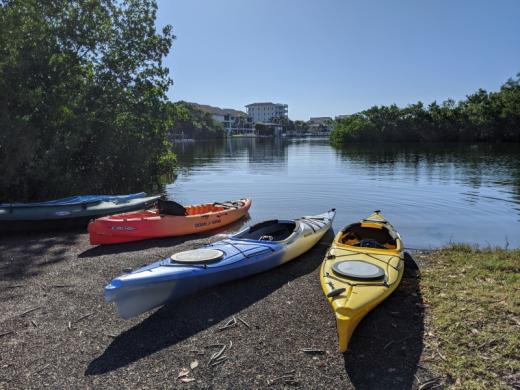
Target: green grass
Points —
{"points": [[474, 302]]}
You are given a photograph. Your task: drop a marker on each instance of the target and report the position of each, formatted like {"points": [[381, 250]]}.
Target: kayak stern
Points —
{"points": [[133, 300]]}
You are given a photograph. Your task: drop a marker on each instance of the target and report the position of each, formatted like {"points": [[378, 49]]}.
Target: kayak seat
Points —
{"points": [[279, 231], [169, 207], [370, 243], [282, 234], [364, 235], [262, 225]]}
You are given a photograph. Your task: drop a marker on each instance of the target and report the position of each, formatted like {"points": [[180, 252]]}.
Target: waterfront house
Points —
{"points": [[321, 125], [234, 121]]}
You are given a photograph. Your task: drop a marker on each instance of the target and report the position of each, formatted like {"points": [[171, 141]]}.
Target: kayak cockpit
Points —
{"points": [[368, 235], [169, 207], [274, 230]]}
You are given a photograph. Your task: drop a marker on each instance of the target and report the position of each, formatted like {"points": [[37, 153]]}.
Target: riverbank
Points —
{"points": [[55, 329]]}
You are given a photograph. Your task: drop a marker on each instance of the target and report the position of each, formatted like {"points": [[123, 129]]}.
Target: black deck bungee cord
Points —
{"points": [[250, 244], [242, 252], [384, 284]]}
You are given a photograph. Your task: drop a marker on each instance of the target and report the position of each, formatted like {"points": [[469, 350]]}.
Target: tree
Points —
{"points": [[301, 126], [82, 97], [482, 116], [190, 122]]}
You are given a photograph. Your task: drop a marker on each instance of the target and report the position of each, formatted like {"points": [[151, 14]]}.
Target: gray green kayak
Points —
{"points": [[67, 212]]}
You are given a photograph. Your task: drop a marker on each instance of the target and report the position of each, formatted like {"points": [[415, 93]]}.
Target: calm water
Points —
{"points": [[432, 194]]}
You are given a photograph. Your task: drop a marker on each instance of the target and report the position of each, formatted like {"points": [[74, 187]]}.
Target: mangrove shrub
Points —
{"points": [[82, 97], [190, 122], [481, 117]]}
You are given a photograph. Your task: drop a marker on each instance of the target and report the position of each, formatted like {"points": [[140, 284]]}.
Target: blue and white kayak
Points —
{"points": [[255, 249]]}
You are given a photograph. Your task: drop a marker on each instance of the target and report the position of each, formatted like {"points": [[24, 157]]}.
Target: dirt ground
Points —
{"points": [[56, 330]]}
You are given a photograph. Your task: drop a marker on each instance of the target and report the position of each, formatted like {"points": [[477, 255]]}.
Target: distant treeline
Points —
{"points": [[482, 116], [82, 98], [190, 122]]}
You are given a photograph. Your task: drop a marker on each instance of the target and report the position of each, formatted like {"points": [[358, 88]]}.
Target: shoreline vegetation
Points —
{"points": [[481, 117], [473, 301], [82, 97], [189, 122], [453, 323]]}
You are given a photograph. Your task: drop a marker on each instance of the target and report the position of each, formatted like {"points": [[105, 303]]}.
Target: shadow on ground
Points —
{"points": [[24, 255], [176, 322], [116, 249], [387, 345], [102, 250]]}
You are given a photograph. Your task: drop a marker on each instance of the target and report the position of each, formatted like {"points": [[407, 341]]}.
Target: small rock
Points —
{"points": [[184, 372]]}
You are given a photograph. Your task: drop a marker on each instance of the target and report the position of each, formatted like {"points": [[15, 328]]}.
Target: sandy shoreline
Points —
{"points": [[57, 331]]}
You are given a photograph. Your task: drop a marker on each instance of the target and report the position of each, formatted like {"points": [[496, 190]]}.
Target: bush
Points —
{"points": [[82, 97]]}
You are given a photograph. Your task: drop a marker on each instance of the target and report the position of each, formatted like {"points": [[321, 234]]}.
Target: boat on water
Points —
{"points": [[167, 219], [68, 212], [255, 249], [363, 266], [245, 135]]}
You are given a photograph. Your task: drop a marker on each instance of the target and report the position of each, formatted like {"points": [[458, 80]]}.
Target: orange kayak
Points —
{"points": [[167, 219]]}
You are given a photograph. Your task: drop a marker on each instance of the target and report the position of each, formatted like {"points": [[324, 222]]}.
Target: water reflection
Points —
{"points": [[474, 165], [433, 193], [190, 154], [267, 154], [258, 152]]}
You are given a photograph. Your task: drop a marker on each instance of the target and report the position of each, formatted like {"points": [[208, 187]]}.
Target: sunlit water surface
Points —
{"points": [[433, 194]]}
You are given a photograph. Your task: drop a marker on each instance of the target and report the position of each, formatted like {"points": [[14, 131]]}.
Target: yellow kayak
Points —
{"points": [[363, 266]]}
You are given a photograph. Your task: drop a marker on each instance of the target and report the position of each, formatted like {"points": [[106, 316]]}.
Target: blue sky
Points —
{"points": [[330, 57]]}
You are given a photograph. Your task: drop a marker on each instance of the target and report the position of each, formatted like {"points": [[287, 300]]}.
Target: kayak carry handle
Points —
{"points": [[336, 292]]}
